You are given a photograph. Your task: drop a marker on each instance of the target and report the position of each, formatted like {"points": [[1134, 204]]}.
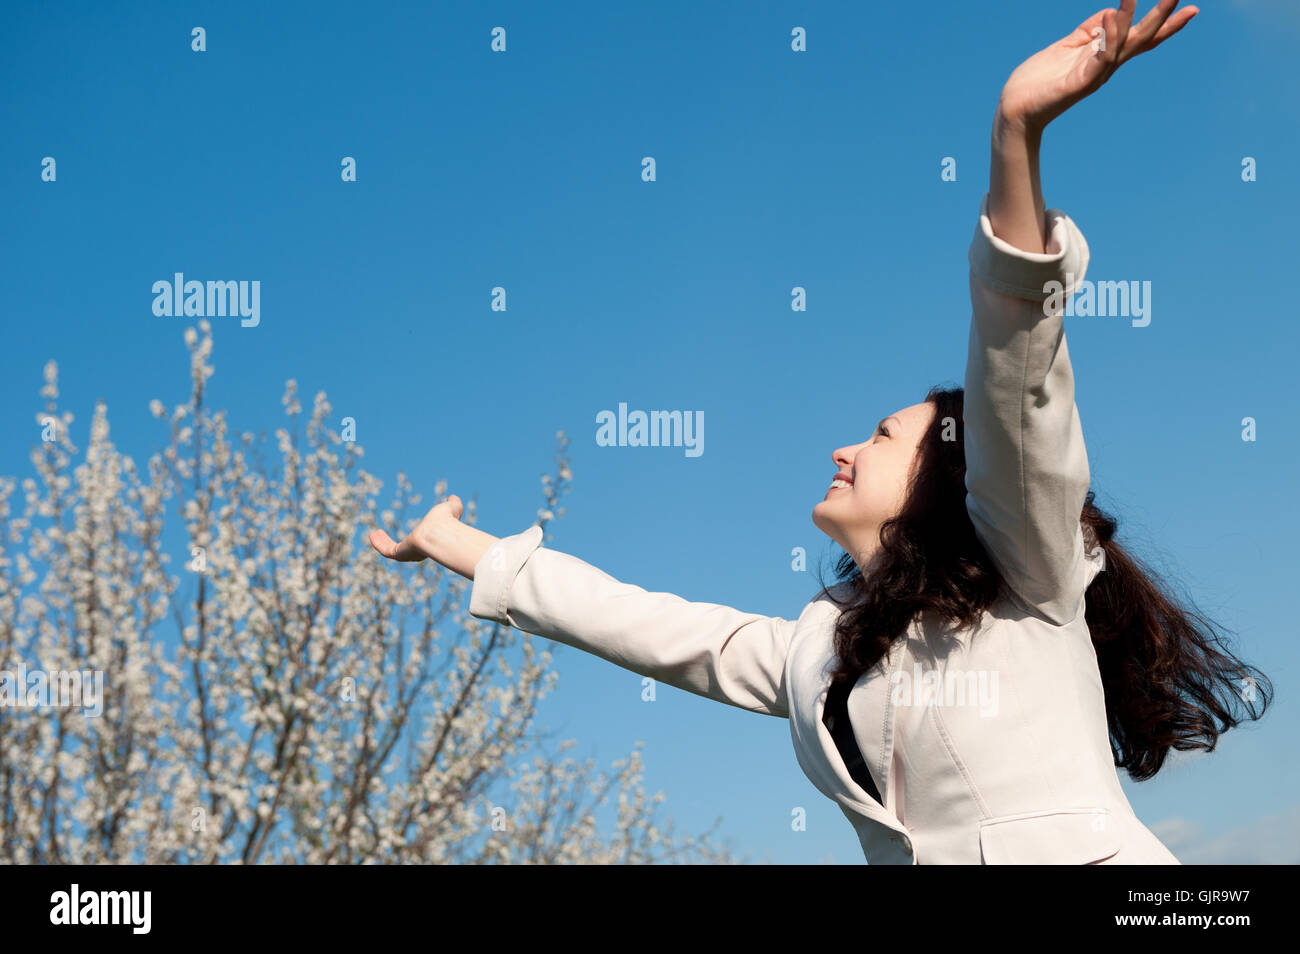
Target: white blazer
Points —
{"points": [[1021, 772]]}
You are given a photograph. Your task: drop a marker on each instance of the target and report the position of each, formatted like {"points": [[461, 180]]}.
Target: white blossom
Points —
{"points": [[226, 733]]}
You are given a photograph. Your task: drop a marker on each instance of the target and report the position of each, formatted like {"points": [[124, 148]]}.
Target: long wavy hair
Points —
{"points": [[1168, 678]]}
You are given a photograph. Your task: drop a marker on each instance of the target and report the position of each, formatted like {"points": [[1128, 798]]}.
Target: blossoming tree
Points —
{"points": [[273, 693]]}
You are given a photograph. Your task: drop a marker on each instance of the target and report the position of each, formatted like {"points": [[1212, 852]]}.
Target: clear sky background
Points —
{"points": [[775, 169]]}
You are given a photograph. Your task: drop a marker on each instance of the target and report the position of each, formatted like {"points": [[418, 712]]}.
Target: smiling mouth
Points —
{"points": [[838, 484]]}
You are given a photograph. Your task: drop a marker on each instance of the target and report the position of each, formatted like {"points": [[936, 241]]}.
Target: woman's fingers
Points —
{"points": [[404, 551], [414, 547], [1126, 11], [1111, 24], [1156, 27], [1172, 26], [1147, 27], [382, 542], [1117, 24]]}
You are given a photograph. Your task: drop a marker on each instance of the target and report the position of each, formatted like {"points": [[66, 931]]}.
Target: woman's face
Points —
{"points": [[870, 484]]}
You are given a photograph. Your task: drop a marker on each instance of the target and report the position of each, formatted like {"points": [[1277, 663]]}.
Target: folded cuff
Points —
{"points": [[1021, 274], [495, 573]]}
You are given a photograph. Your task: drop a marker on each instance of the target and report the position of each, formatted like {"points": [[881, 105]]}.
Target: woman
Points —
{"points": [[990, 655]]}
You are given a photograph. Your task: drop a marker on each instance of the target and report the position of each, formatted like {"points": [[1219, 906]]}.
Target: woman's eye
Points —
{"points": [[884, 432]]}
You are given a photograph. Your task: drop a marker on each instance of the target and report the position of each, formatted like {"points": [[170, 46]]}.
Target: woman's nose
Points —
{"points": [[844, 455]]}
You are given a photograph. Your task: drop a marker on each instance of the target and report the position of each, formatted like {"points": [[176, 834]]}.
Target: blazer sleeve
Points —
{"points": [[1026, 464], [711, 650]]}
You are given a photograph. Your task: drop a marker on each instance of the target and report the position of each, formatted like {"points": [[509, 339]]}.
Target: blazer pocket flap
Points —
{"points": [[1065, 836]]}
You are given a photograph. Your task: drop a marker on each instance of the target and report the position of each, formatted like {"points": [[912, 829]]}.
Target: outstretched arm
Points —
{"points": [[711, 650], [1026, 464]]}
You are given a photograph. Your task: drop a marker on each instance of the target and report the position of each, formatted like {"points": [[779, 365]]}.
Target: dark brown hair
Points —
{"points": [[1168, 678]]}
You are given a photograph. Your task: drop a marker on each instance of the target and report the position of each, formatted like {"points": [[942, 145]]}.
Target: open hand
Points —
{"points": [[1054, 79], [430, 535]]}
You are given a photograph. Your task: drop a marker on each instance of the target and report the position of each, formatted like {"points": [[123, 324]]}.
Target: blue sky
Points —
{"points": [[774, 169]]}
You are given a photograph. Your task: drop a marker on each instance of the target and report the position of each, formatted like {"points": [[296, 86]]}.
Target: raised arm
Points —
{"points": [[1026, 464], [711, 650]]}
